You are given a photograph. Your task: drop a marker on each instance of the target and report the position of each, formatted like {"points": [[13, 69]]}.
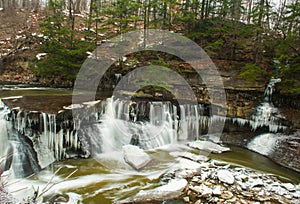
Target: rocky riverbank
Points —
{"points": [[218, 182]]}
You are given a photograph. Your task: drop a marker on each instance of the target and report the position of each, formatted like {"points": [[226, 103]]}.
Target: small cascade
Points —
{"points": [[189, 122], [24, 159], [118, 77], [271, 88], [4, 129], [264, 144], [266, 114], [17, 149]]}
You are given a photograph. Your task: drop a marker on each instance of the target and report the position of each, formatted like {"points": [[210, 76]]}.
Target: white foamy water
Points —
{"points": [[264, 144]]}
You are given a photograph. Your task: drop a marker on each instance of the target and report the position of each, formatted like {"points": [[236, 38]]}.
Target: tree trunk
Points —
{"points": [[35, 4], [280, 14], [91, 14], [261, 12], [77, 6], [203, 3], [268, 14], [249, 12]]}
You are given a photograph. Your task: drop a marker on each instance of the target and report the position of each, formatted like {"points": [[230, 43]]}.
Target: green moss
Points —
{"points": [[159, 63]]}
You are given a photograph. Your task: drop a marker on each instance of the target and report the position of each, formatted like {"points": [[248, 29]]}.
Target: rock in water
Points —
{"points": [[135, 156], [171, 190], [208, 146], [225, 176], [191, 156]]}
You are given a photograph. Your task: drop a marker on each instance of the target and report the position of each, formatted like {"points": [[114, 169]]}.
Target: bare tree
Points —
{"points": [[77, 6], [35, 4]]}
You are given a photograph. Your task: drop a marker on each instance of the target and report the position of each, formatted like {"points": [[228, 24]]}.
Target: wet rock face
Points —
{"points": [[285, 100], [288, 152], [242, 103]]}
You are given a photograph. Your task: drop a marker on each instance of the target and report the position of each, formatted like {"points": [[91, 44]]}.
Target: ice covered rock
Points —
{"points": [[256, 183], [205, 175], [135, 156], [187, 164], [196, 189], [206, 191], [191, 156], [171, 190], [225, 176], [217, 190], [186, 173], [227, 195], [289, 186], [208, 146]]}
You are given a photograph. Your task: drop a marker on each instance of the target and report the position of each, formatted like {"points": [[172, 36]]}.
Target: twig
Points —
{"points": [[18, 180], [51, 178], [21, 189], [53, 184]]}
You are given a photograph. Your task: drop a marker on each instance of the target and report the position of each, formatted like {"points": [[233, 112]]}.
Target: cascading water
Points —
{"points": [[16, 148], [32, 140], [264, 144], [101, 129], [4, 125], [266, 115], [124, 122], [105, 126]]}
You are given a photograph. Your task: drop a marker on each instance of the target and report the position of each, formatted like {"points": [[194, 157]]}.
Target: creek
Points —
{"points": [[52, 142]]}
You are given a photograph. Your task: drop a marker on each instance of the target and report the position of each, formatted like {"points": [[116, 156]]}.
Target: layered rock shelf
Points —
{"points": [[220, 182]]}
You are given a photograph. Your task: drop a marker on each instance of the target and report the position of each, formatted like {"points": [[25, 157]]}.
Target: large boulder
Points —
{"points": [[135, 156]]}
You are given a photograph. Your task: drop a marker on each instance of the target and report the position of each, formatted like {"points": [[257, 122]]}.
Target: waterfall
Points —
{"points": [[42, 129], [15, 147], [266, 114], [122, 124], [189, 122], [271, 88], [33, 140], [4, 129], [264, 144], [91, 128]]}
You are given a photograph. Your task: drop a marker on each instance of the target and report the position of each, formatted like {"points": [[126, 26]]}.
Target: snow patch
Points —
{"points": [[40, 56], [13, 97]]}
